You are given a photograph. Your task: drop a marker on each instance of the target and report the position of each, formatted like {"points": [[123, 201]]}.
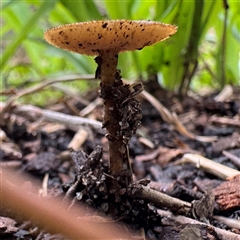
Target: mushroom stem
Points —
{"points": [[112, 85], [108, 65]]}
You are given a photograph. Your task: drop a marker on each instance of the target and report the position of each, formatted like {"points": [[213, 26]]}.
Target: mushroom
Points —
{"points": [[106, 39]]}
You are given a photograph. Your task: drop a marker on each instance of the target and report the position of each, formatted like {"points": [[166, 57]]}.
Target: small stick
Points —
{"points": [[44, 189], [52, 214], [225, 121], [78, 139], [225, 235], [72, 122], [11, 164], [91, 107], [36, 88], [230, 222], [160, 199], [172, 119], [209, 166]]}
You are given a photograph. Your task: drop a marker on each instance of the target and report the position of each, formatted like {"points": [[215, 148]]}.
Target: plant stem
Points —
{"points": [[191, 55], [223, 45]]}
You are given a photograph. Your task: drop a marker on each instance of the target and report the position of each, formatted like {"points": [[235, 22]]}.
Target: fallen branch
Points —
{"points": [[72, 122], [52, 215]]}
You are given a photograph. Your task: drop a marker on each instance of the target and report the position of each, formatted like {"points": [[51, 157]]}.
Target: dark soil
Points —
{"points": [[40, 149]]}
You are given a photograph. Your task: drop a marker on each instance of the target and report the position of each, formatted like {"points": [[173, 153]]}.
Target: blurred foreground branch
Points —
{"points": [[52, 215]]}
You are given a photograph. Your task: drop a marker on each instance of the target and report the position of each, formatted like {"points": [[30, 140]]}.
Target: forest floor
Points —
{"points": [[161, 151]]}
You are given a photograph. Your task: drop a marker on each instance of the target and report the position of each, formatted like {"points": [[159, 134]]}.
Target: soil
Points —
{"points": [[41, 149]]}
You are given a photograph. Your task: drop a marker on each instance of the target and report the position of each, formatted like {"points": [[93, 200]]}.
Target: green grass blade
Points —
{"points": [[26, 29], [82, 10]]}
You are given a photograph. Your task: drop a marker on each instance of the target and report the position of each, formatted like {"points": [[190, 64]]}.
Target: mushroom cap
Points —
{"points": [[93, 37]]}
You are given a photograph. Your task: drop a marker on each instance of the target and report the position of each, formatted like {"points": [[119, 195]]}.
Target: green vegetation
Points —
{"points": [[204, 52]]}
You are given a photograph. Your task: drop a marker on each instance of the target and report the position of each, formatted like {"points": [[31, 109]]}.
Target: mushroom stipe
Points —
{"points": [[122, 113]]}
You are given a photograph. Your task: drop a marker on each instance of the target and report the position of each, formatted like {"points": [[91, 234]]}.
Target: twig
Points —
{"points": [[91, 107], [72, 122], [78, 139], [38, 87], [225, 121], [11, 164], [223, 234], [44, 189], [209, 166], [166, 115], [230, 222], [233, 158], [146, 142], [172, 119], [190, 75], [225, 94], [159, 199]]}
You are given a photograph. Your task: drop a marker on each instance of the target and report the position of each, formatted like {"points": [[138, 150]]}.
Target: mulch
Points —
{"points": [[40, 148]]}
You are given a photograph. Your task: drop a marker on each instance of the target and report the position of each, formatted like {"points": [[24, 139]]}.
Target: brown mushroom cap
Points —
{"points": [[90, 38]]}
